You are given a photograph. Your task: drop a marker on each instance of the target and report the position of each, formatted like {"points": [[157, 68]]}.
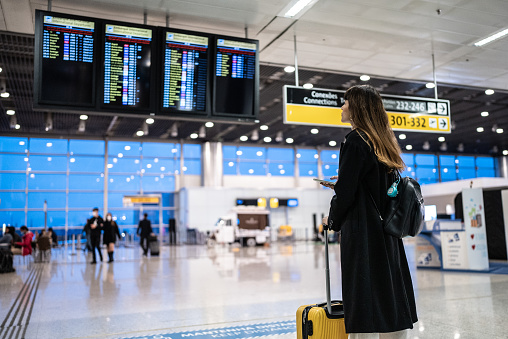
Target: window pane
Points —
{"points": [[48, 163], [126, 148], [408, 158], [86, 164], [229, 167], [88, 200], [13, 162], [52, 146], [448, 173], [426, 175], [330, 156], [330, 169], [156, 149], [160, 166], [13, 218], [192, 166], [426, 159], [192, 151], [280, 154], [14, 145], [92, 147], [116, 199], [158, 184], [485, 162], [168, 199], [252, 153], [78, 218], [12, 200], [54, 199], [12, 181], [93, 182], [486, 173], [127, 218], [229, 152], [252, 168], [307, 155], [36, 218], [447, 160], [47, 181], [123, 183], [124, 165], [466, 173], [281, 168], [308, 170], [465, 161]]}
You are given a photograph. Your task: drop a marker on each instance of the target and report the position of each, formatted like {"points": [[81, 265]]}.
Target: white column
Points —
{"points": [[212, 160]]}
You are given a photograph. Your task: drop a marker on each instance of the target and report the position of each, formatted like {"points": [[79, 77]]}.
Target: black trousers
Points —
{"points": [[96, 244], [172, 237], [144, 244]]}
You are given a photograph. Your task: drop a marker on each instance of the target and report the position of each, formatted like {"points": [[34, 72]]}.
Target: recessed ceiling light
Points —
{"points": [[441, 139], [332, 143], [364, 77], [489, 91], [491, 38], [296, 8], [209, 124], [140, 133], [194, 136], [244, 138], [289, 69], [4, 94], [409, 147], [480, 129], [485, 114], [267, 139], [18, 126], [308, 85], [149, 121], [499, 130], [83, 117], [263, 127], [430, 85], [505, 152], [1, 69], [402, 136], [10, 112], [314, 131], [289, 140]]}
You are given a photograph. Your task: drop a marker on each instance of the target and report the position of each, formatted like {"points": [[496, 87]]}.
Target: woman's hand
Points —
{"points": [[325, 184], [325, 220]]}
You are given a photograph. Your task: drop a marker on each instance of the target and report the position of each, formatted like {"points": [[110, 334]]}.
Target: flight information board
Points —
{"points": [[185, 72], [127, 66], [235, 77], [67, 64]]}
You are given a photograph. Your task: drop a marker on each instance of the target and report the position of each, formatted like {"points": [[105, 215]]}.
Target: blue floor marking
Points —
{"points": [[246, 331]]}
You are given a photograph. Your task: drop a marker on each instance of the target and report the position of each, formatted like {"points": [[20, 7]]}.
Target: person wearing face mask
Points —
{"points": [[96, 224], [111, 232]]}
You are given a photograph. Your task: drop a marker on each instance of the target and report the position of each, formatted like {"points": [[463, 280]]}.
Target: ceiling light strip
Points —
{"points": [[491, 38]]}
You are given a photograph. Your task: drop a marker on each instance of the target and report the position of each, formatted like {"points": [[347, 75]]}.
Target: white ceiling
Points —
{"points": [[387, 38]]}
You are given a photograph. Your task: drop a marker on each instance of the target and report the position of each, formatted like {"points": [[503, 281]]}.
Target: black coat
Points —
{"points": [[377, 290], [144, 228], [95, 232], [111, 232]]}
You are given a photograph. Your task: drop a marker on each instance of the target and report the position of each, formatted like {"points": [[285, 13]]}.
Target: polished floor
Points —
{"points": [[200, 292]]}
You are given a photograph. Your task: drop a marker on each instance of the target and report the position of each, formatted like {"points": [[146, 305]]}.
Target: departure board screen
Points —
{"points": [[127, 67], [67, 65], [235, 77], [185, 72]]}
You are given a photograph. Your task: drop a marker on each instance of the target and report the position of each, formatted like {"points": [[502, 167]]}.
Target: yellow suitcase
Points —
{"points": [[322, 321]]}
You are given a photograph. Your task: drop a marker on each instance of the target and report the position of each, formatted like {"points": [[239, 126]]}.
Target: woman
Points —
{"points": [[26, 241], [110, 233], [376, 284]]}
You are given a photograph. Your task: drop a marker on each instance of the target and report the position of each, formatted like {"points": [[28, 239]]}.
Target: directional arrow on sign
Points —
{"points": [[433, 123], [441, 108], [443, 123]]}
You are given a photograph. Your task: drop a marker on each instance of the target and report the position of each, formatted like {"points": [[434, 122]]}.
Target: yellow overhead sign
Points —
{"points": [[130, 200], [322, 107]]}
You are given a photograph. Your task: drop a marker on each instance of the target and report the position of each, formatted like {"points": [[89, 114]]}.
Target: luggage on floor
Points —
{"points": [[6, 261], [324, 320], [154, 245]]}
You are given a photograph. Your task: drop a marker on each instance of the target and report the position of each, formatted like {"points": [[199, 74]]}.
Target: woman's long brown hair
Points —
{"points": [[368, 114]]}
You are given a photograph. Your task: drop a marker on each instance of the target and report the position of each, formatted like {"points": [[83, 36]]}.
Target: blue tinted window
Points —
{"points": [[280, 154], [126, 148], [123, 183], [13, 162], [426, 175], [330, 170], [308, 170], [485, 162], [12, 200], [307, 155], [466, 173], [52, 146], [192, 166], [78, 218], [465, 161], [252, 168], [92, 147], [485, 173], [229, 152], [192, 151], [409, 172], [161, 166], [124, 165], [426, 159], [86, 164], [52, 163], [54, 199], [252, 153], [157, 184], [12, 218], [281, 168], [447, 160], [330, 156], [47, 181], [14, 145], [126, 218], [116, 199], [88, 200], [36, 218], [168, 199], [229, 167], [155, 149], [93, 182], [12, 181], [448, 173], [408, 158]]}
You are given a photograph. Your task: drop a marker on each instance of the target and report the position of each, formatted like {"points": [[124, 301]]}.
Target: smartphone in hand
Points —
{"points": [[324, 181]]}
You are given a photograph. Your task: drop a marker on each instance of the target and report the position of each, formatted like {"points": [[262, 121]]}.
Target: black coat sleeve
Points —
{"points": [[351, 167], [117, 231]]}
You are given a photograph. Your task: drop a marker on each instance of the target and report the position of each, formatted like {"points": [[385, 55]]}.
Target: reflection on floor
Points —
{"points": [[214, 292]]}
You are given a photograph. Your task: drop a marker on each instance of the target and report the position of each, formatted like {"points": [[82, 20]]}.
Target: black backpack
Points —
{"points": [[404, 213]]}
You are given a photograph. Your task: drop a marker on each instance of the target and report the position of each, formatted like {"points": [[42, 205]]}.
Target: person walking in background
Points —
{"points": [[52, 235], [111, 232], [144, 231], [26, 242], [377, 290], [96, 224], [7, 238]]}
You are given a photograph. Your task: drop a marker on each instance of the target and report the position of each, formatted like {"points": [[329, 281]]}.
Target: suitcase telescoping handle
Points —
{"points": [[327, 272]]}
